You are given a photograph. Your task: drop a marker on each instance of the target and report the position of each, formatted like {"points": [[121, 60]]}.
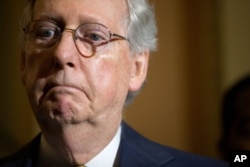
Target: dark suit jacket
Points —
{"points": [[134, 151]]}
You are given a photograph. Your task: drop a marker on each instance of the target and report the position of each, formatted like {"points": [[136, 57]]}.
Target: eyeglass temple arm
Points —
{"points": [[119, 36]]}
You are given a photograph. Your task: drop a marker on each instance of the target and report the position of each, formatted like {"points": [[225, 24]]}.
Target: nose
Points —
{"points": [[65, 52]]}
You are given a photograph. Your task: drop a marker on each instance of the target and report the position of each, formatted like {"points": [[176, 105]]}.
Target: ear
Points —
{"points": [[23, 67], [139, 70]]}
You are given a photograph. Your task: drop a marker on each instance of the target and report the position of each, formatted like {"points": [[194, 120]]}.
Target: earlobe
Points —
{"points": [[139, 71]]}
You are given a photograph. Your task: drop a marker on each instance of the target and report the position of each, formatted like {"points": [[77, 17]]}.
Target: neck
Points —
{"points": [[74, 145]]}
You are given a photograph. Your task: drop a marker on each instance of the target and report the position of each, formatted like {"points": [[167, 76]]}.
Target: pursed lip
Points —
{"points": [[51, 85]]}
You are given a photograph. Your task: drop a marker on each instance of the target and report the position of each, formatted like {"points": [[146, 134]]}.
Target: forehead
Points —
{"points": [[102, 11]]}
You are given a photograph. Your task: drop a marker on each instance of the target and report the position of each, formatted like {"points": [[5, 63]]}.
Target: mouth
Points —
{"points": [[51, 86], [57, 88]]}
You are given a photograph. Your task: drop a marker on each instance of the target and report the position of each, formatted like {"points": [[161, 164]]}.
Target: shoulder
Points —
{"points": [[23, 157], [136, 148]]}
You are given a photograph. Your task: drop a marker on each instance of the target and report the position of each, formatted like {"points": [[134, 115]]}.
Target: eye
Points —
{"points": [[92, 33], [95, 37], [42, 34], [45, 33]]}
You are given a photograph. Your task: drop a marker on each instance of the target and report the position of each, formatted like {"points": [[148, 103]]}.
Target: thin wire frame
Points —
{"points": [[89, 38]]}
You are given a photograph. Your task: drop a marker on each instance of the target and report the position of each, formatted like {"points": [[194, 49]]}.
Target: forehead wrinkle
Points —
{"points": [[117, 11]]}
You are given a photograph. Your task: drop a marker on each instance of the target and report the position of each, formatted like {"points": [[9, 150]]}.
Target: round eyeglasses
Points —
{"points": [[89, 38]]}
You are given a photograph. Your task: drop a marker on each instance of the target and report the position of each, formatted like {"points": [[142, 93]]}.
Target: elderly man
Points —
{"points": [[82, 61]]}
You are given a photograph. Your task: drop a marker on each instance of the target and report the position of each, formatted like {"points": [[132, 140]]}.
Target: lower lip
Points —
{"points": [[56, 91]]}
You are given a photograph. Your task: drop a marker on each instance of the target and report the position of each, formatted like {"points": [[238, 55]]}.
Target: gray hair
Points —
{"points": [[141, 32], [141, 29]]}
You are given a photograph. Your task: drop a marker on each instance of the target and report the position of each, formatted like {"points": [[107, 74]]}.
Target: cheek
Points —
{"points": [[36, 68], [34, 87], [112, 77], [38, 63]]}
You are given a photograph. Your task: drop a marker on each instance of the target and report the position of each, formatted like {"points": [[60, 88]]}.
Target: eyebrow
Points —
{"points": [[56, 20], [61, 22]]}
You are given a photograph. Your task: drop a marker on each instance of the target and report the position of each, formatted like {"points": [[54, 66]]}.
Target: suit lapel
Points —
{"points": [[27, 156], [136, 150]]}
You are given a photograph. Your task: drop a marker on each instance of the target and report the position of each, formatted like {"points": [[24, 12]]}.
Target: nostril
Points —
{"points": [[70, 64]]}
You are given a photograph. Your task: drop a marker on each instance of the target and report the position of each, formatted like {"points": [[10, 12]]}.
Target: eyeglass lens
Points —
{"points": [[89, 38]]}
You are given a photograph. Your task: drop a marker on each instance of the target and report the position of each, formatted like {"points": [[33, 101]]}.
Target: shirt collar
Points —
{"points": [[107, 156]]}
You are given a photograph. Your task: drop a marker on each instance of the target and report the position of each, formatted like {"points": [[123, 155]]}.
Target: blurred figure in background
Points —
{"points": [[236, 119]]}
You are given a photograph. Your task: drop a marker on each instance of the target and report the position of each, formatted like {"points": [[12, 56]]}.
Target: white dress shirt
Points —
{"points": [[106, 157]]}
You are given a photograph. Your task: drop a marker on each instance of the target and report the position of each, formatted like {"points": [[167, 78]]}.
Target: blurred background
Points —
{"points": [[203, 49]]}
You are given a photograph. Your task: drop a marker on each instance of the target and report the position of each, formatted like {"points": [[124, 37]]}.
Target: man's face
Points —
{"points": [[65, 87]]}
